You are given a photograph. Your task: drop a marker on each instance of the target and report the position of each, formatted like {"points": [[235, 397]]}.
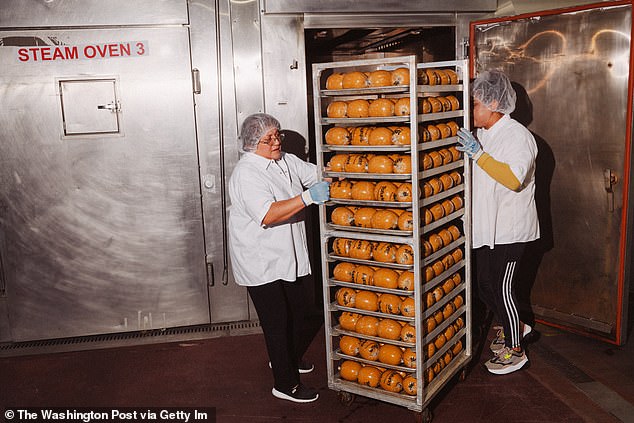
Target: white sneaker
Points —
{"points": [[498, 342]]}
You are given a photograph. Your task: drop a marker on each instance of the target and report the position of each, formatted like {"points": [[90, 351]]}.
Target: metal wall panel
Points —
{"points": [[575, 103], [217, 145], [371, 6], [70, 13], [102, 233]]}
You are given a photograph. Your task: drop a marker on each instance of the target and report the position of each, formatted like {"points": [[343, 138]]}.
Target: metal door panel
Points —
{"points": [[576, 82], [102, 233]]}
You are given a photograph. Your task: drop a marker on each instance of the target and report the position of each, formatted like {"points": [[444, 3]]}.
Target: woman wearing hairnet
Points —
{"points": [[503, 207], [267, 240]]}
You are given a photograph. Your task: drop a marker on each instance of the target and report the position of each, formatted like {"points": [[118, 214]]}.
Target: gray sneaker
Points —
{"points": [[498, 342], [506, 361]]}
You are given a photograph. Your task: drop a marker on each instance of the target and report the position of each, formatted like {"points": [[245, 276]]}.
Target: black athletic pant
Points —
{"points": [[280, 306], [496, 273]]}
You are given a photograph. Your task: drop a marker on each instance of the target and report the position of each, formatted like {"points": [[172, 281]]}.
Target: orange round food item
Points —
{"points": [[428, 163], [404, 193], [430, 350], [369, 376], [385, 252], [430, 324], [348, 320], [457, 347], [341, 246], [450, 331], [436, 185], [363, 275], [369, 350], [457, 253], [455, 154], [436, 105], [402, 164], [425, 105], [402, 135], [400, 76], [446, 236], [440, 341], [408, 308], [444, 77], [455, 104], [424, 133], [446, 181], [385, 219], [457, 202], [349, 370], [380, 78], [386, 278], [354, 80], [358, 108], [445, 130], [380, 136], [337, 109], [363, 217], [346, 297], [453, 126], [385, 191], [448, 286], [349, 345], [380, 164], [341, 189], [381, 107], [436, 242], [447, 357], [446, 104], [337, 163], [363, 190], [456, 176], [437, 210], [356, 163], [446, 156], [344, 271], [337, 136], [367, 300], [402, 107], [408, 333], [448, 261], [342, 216], [438, 268], [389, 329], [448, 206], [390, 354], [453, 76], [335, 81], [434, 132], [367, 325], [454, 231], [405, 255], [361, 249], [409, 358], [433, 78], [429, 375], [389, 303], [360, 135], [406, 221], [436, 158], [458, 301], [391, 381], [406, 281], [427, 247]]}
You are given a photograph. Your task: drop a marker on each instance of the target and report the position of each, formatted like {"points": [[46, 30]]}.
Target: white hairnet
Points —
{"points": [[494, 90], [254, 128]]}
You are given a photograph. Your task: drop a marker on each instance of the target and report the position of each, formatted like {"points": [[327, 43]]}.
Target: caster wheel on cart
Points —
{"points": [[424, 416], [463, 375], [346, 398]]}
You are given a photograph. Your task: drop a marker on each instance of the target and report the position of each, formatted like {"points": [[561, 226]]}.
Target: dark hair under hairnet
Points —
{"points": [[494, 87], [254, 128]]}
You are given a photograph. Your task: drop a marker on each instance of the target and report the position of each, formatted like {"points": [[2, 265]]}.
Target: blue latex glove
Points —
{"points": [[469, 144], [317, 194]]}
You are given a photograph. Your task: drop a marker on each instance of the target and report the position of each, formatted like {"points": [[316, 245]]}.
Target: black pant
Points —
{"points": [[280, 306], [496, 273]]}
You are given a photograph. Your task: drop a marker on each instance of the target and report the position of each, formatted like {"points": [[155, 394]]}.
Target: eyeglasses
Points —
{"points": [[272, 139]]}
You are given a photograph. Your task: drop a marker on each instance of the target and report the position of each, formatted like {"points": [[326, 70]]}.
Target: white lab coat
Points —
{"points": [[500, 215], [262, 254]]}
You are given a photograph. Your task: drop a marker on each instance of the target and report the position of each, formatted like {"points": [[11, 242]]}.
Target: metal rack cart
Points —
{"points": [[395, 235]]}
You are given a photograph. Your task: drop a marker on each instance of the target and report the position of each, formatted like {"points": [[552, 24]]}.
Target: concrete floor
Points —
{"points": [[569, 379]]}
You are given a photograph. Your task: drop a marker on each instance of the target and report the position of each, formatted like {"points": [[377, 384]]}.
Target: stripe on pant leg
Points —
{"points": [[509, 304]]}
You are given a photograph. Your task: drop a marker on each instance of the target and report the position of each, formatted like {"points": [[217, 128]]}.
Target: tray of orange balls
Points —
{"points": [[370, 165], [367, 82]]}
